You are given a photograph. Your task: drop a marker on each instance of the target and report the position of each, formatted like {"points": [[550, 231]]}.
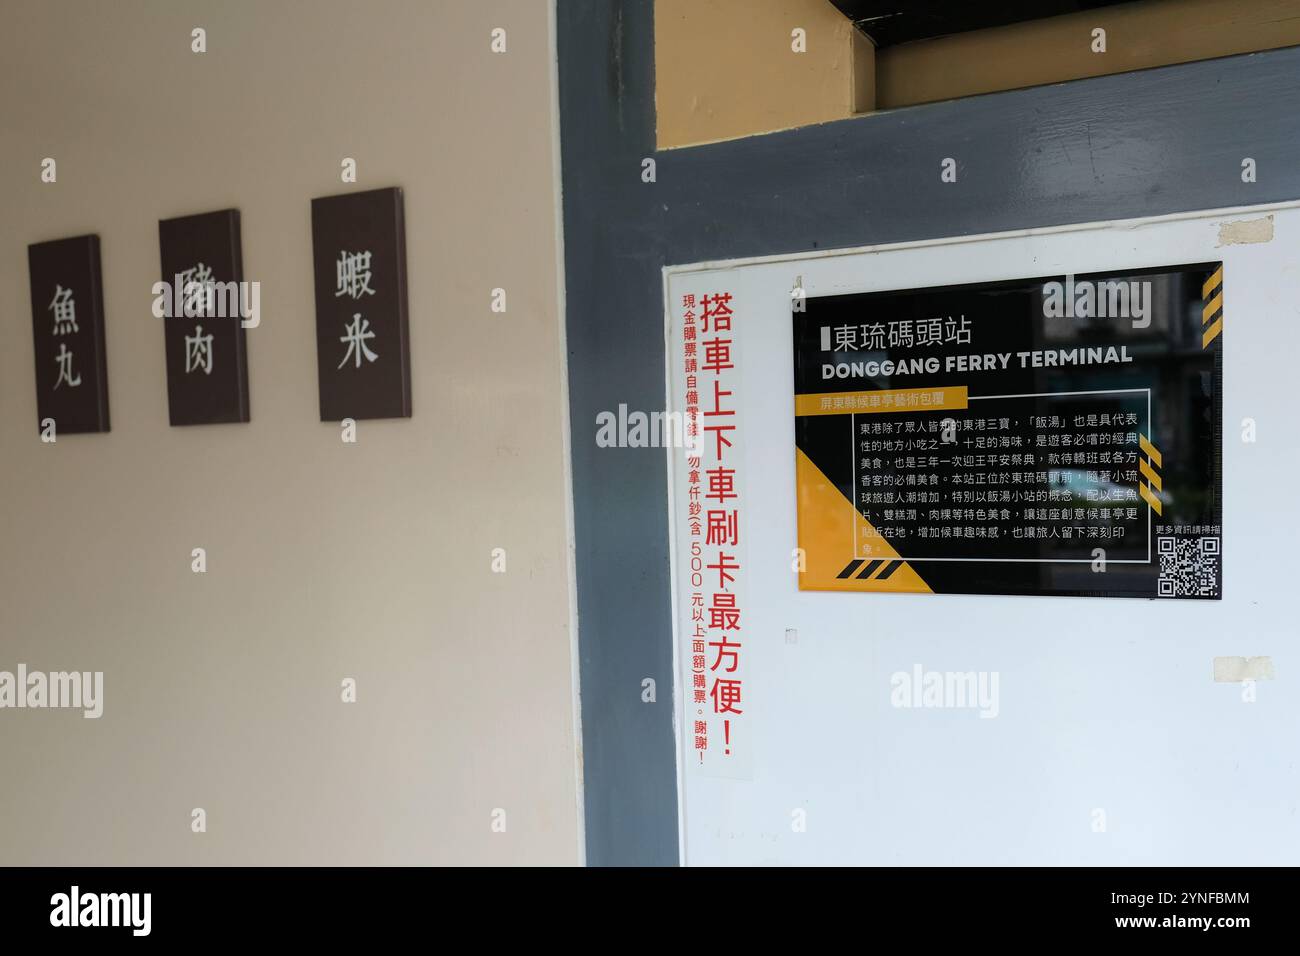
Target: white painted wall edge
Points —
{"points": [[566, 437], [742, 262]]}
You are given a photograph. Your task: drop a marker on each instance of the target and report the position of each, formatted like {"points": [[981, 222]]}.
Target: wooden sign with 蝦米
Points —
{"points": [[362, 333]]}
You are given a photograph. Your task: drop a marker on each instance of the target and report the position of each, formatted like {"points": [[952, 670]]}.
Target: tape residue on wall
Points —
{"points": [[1242, 231], [1234, 670]]}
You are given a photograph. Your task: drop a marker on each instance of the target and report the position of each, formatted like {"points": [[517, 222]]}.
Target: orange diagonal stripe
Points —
{"points": [[1149, 498], [1150, 473], [1211, 307], [1211, 282], [1149, 450], [1211, 332]]}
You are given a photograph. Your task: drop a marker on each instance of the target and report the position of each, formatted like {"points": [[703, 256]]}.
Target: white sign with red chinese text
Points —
{"points": [[708, 505]]}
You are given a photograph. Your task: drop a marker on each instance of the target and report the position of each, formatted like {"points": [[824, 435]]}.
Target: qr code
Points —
{"points": [[1189, 567]]}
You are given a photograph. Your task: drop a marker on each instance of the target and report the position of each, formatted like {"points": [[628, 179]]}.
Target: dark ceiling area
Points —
{"points": [[901, 21]]}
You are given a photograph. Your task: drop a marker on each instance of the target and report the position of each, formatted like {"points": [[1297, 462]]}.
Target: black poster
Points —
{"points": [[362, 333], [1059, 435], [203, 302], [68, 333]]}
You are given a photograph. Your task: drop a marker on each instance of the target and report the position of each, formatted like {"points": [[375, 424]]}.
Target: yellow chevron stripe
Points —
{"points": [[1149, 498], [1212, 282], [1149, 450], [1150, 473], [1211, 307], [1212, 332]]}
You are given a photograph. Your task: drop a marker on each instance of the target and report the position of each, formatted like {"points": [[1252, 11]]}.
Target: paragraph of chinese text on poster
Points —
{"points": [[1058, 436]]}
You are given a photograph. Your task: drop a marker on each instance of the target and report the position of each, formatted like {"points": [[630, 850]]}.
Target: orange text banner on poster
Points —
{"points": [[882, 400]]}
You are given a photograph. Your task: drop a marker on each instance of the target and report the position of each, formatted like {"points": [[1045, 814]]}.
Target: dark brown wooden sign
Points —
{"points": [[203, 301], [362, 334], [68, 329]]}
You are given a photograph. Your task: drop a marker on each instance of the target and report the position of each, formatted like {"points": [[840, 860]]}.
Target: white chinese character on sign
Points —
{"points": [[64, 358], [961, 331], [198, 351], [65, 311], [197, 285], [873, 337], [929, 331], [357, 333], [353, 275]]}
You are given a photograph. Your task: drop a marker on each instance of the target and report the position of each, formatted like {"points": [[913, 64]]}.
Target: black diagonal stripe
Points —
{"points": [[869, 569], [853, 566], [893, 566]]}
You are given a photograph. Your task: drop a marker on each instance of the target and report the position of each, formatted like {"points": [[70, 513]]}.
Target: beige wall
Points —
{"points": [[326, 560], [725, 68]]}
